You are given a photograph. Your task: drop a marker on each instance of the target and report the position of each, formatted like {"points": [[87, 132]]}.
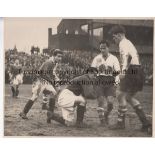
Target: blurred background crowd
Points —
{"points": [[74, 63]]}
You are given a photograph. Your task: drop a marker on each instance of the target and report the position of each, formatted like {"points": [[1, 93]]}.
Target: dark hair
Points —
{"points": [[91, 70], [105, 42], [57, 51], [117, 29]]}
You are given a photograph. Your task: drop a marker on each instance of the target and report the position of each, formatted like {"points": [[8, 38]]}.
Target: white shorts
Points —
{"points": [[17, 80], [66, 102], [39, 86]]}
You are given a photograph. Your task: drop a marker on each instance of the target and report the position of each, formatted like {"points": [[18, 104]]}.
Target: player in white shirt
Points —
{"points": [[108, 71], [131, 78], [16, 77]]}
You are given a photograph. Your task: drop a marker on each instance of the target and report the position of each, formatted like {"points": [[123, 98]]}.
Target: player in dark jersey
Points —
{"points": [[73, 96], [44, 83], [16, 77]]}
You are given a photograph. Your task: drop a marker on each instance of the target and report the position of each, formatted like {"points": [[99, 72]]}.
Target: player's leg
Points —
{"points": [[110, 102], [19, 79], [67, 101], [136, 84], [121, 111], [51, 115], [50, 108], [146, 125], [36, 88], [122, 108], [26, 109], [80, 103], [45, 100], [56, 117], [17, 90], [81, 109], [13, 90], [102, 103], [50, 96], [11, 84], [15, 83], [66, 106], [110, 93]]}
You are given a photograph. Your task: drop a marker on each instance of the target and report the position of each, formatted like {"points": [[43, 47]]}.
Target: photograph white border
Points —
{"points": [[70, 8]]}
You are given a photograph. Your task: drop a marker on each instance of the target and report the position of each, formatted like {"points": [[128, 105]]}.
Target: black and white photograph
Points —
{"points": [[78, 77]]}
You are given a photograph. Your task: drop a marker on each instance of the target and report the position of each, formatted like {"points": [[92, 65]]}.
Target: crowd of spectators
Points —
{"points": [[74, 63]]}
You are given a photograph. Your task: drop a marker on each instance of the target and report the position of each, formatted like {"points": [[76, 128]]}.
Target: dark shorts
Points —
{"points": [[133, 80], [106, 86]]}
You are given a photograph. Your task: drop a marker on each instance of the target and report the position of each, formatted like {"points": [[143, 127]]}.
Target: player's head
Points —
{"points": [[92, 71], [57, 54], [104, 47], [16, 62], [117, 32]]}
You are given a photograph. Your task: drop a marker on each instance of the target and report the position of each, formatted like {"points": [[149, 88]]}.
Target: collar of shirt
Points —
{"points": [[106, 57]]}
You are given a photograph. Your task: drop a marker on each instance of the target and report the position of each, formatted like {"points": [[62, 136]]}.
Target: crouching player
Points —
{"points": [[43, 84], [108, 77], [72, 99], [16, 77]]}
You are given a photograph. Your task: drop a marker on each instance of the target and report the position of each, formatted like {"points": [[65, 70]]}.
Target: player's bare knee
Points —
{"points": [[122, 110], [139, 107], [132, 101], [34, 97]]}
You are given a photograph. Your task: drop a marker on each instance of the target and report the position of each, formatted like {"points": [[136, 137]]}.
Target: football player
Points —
{"points": [[131, 78], [16, 77], [108, 76], [44, 83], [74, 96]]}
